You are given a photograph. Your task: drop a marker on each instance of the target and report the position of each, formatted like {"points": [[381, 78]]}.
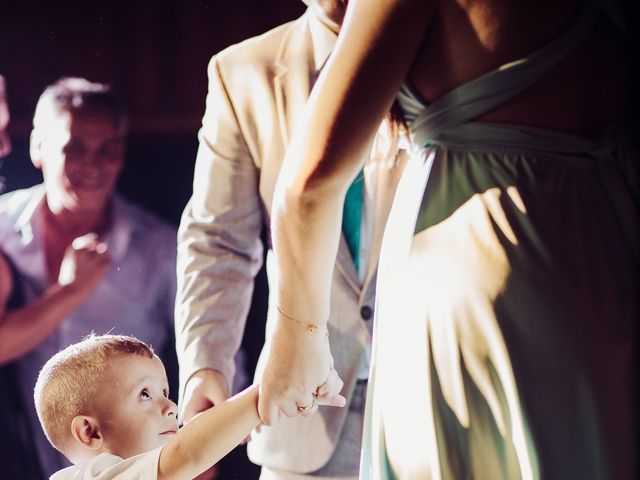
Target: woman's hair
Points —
{"points": [[390, 136], [70, 382], [396, 117]]}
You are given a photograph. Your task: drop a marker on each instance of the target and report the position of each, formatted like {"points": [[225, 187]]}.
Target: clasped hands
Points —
{"points": [[299, 374]]}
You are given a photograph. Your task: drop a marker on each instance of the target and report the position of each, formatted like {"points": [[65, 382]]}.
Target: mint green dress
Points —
{"points": [[507, 295]]}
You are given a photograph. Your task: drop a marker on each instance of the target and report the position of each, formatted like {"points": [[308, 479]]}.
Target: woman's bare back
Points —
{"points": [[583, 94]]}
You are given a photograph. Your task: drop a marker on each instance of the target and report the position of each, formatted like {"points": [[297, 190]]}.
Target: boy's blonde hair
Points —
{"points": [[69, 383]]}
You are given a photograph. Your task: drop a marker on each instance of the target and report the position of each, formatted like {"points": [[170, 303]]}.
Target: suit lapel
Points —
{"points": [[346, 267], [293, 81]]}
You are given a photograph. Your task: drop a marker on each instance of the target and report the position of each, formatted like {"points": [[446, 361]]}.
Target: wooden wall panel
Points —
{"points": [[155, 52]]}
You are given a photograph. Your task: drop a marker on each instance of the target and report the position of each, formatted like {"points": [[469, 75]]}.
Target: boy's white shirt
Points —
{"points": [[107, 466]]}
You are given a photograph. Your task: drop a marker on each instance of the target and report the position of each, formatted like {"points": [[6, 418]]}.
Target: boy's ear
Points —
{"points": [[86, 431], [35, 149]]}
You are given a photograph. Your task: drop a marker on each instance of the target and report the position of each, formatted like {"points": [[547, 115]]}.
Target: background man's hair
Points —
{"points": [[74, 94], [70, 382]]}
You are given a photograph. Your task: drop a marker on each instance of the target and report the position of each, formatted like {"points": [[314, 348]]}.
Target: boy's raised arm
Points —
{"points": [[210, 436]]}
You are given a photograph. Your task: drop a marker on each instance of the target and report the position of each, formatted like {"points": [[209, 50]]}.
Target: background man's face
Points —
{"points": [[81, 155]]}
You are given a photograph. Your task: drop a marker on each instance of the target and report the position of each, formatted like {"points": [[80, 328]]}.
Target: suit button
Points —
{"points": [[366, 312]]}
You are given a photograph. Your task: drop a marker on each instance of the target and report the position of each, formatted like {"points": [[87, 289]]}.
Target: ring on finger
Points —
{"points": [[305, 408]]}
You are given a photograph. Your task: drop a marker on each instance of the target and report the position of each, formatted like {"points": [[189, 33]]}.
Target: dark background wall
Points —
{"points": [[155, 53]]}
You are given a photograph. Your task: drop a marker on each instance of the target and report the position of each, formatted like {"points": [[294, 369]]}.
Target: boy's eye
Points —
{"points": [[144, 395], [165, 392]]}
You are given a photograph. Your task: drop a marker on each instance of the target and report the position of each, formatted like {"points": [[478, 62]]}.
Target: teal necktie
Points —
{"points": [[352, 218]]}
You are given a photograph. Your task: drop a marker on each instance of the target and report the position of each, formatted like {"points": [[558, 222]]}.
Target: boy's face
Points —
{"points": [[80, 155], [135, 415]]}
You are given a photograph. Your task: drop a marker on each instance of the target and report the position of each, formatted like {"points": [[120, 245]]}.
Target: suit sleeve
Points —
{"points": [[219, 245]]}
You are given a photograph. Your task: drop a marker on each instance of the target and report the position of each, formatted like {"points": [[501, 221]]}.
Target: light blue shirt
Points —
{"points": [[136, 296]]}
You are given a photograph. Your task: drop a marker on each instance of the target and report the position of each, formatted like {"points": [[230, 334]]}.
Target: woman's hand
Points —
{"points": [[299, 374]]}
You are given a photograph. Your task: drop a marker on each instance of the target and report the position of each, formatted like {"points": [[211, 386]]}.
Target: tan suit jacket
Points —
{"points": [[257, 91]]}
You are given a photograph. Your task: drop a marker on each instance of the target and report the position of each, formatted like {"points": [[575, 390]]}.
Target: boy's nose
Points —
{"points": [[171, 408]]}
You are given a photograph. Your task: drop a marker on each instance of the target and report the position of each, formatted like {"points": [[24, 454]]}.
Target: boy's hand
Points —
{"points": [[205, 389]]}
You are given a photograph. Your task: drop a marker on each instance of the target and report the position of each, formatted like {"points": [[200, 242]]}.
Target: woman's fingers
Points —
{"points": [[271, 407], [337, 401], [308, 408], [270, 410], [267, 409], [329, 392], [299, 361], [289, 408]]}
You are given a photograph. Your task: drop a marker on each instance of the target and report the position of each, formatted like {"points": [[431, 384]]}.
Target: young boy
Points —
{"points": [[103, 403]]}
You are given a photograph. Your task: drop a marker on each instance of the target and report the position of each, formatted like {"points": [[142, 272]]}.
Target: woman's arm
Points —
{"points": [[210, 436], [24, 328], [375, 49]]}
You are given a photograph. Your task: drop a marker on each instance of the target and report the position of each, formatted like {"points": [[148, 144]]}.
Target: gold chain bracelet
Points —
{"points": [[310, 327]]}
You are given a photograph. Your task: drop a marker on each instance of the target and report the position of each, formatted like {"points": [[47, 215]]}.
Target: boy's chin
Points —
{"points": [[166, 438]]}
